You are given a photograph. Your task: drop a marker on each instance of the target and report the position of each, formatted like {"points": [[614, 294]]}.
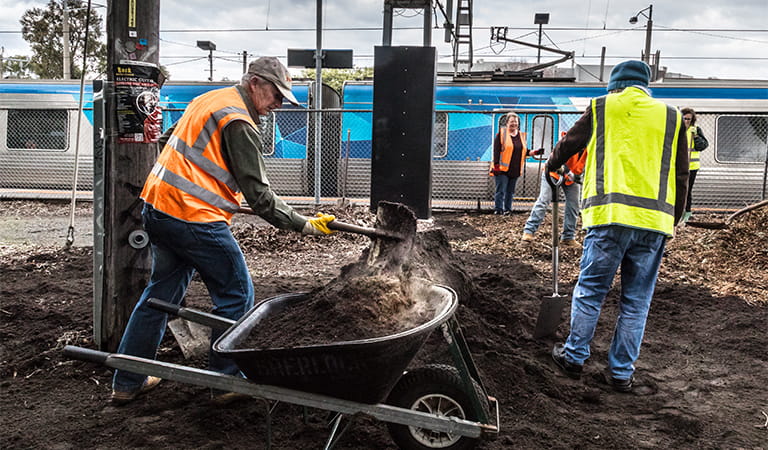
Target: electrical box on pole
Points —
{"points": [[131, 128]]}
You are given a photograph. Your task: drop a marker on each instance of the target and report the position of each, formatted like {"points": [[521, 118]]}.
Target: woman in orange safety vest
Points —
{"points": [[509, 153]]}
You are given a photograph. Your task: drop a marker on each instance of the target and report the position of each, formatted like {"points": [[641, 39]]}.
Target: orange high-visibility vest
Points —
{"points": [[575, 164], [507, 149], [190, 180]]}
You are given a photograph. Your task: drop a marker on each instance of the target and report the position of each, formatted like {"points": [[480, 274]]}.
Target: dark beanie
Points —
{"points": [[629, 73]]}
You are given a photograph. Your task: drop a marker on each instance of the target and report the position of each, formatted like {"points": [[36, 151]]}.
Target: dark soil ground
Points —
{"points": [[703, 370]]}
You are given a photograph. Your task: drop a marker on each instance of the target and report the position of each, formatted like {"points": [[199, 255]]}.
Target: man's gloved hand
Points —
{"points": [[537, 152], [496, 169], [318, 226]]}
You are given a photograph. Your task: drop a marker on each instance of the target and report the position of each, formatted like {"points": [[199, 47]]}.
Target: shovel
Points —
{"points": [[728, 220], [551, 310], [350, 228]]}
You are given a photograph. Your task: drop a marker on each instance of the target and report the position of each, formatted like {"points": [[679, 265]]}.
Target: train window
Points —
{"points": [[44, 129], [267, 128], [542, 133], [741, 139], [440, 145]]}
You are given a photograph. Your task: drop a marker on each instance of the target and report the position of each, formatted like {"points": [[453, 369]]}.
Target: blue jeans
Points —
{"points": [[539, 209], [639, 253], [179, 249], [505, 192]]}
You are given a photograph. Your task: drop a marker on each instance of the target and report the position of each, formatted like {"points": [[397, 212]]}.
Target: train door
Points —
{"points": [[461, 151]]}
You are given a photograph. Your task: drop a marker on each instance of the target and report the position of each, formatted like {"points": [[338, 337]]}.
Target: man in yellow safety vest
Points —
{"points": [[635, 183]]}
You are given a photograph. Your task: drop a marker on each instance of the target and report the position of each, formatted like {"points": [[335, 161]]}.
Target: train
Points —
{"points": [[39, 136]]}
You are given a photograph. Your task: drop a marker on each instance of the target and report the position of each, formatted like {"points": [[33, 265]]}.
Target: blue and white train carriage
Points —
{"points": [[732, 114], [38, 125]]}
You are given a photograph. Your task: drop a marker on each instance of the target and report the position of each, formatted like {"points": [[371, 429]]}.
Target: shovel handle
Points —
{"points": [[350, 228], [366, 231]]}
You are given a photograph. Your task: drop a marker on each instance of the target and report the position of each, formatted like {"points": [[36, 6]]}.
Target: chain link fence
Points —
{"points": [[38, 148]]}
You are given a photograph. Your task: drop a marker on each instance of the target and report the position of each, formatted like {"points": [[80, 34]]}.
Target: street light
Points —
{"points": [[633, 20], [540, 19], [210, 46]]}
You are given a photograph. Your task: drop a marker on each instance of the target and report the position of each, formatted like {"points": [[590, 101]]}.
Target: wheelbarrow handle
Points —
{"points": [[85, 354], [163, 306]]}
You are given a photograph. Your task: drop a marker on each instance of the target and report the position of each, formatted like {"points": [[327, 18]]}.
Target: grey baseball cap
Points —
{"points": [[271, 69]]}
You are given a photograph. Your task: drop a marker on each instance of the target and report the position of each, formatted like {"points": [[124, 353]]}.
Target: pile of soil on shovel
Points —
{"points": [[376, 296]]}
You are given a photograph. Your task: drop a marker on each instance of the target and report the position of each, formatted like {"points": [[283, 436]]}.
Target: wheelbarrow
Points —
{"points": [[436, 406]]}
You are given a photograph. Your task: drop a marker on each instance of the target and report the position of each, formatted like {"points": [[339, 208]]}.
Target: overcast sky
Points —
{"points": [[703, 38]]}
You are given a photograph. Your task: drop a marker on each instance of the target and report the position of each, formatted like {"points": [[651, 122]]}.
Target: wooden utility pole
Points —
{"points": [[132, 55]]}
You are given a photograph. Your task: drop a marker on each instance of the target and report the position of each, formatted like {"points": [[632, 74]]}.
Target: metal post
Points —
{"points": [[648, 29], [65, 40], [386, 40], [428, 26], [245, 61], [210, 65], [602, 63], [538, 56], [318, 99], [448, 25]]}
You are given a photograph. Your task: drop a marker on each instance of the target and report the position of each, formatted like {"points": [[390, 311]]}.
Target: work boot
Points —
{"points": [[527, 237], [623, 386], [572, 370], [122, 398], [219, 398], [571, 243]]}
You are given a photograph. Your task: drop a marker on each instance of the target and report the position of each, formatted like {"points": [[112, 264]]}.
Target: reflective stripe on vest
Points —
{"points": [[190, 180], [617, 190], [693, 156]]}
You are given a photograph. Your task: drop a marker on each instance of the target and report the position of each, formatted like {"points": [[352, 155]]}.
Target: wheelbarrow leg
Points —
{"points": [[334, 438], [271, 410], [462, 358]]}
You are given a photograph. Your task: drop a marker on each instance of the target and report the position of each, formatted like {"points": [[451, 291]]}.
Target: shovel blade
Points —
{"points": [[550, 315], [193, 338]]}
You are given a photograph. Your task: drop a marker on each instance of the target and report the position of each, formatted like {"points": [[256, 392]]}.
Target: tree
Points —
{"points": [[335, 78], [42, 29]]}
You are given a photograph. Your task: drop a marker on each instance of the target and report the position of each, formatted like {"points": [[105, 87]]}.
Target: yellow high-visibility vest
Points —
{"points": [[693, 155], [629, 176], [190, 180]]}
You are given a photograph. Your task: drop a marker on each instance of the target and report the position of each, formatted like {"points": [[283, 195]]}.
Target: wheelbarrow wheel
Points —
{"points": [[436, 389]]}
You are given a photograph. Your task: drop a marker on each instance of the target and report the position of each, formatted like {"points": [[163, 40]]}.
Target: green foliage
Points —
{"points": [[42, 29], [335, 78]]}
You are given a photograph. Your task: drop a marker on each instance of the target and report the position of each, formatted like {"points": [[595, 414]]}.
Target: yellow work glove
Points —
{"points": [[318, 226]]}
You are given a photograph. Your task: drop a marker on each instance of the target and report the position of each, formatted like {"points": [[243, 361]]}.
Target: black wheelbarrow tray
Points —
{"points": [[428, 407]]}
